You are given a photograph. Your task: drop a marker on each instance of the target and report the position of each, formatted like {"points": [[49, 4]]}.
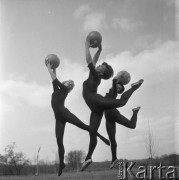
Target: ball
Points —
{"points": [[94, 38], [123, 77], [53, 59]]}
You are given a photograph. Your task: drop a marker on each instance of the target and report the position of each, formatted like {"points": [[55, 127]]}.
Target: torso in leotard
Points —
{"points": [[112, 114], [90, 87], [93, 81], [58, 98], [111, 94], [113, 91]]}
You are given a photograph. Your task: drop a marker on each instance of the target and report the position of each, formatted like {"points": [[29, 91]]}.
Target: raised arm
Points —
{"points": [[52, 73], [96, 56], [87, 53]]}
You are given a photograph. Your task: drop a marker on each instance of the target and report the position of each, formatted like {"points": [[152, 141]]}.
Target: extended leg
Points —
{"points": [[114, 115], [60, 127], [108, 103], [71, 118]]}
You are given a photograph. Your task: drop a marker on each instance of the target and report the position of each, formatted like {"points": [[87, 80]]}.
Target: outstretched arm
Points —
{"points": [[52, 73], [96, 56], [87, 52]]}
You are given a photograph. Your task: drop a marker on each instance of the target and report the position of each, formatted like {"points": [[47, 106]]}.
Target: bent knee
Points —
{"points": [[123, 102], [133, 127]]}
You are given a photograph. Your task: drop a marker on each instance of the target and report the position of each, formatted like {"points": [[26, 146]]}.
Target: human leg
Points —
{"points": [[116, 116], [60, 127], [95, 121], [71, 118], [127, 94], [104, 103], [111, 130]]}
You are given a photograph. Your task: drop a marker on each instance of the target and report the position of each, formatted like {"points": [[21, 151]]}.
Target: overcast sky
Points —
{"points": [[139, 36]]}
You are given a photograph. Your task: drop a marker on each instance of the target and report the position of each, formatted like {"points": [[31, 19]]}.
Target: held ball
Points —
{"points": [[123, 77], [94, 39], [53, 59]]}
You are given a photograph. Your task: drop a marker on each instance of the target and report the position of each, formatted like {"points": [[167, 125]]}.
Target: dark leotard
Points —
{"points": [[113, 115], [63, 115], [96, 102], [59, 95], [90, 87], [58, 102], [112, 94], [113, 91]]}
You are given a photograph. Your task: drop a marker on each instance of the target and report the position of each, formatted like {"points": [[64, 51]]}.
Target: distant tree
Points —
{"points": [[170, 160], [75, 158], [15, 161], [150, 146], [173, 159]]}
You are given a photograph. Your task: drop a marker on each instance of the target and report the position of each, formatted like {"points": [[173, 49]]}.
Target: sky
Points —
{"points": [[139, 36]]}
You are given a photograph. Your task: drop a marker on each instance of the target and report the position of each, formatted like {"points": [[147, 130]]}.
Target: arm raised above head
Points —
{"points": [[96, 56], [52, 73], [87, 53]]}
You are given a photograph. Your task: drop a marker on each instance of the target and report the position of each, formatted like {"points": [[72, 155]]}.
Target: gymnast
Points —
{"points": [[96, 102], [113, 116], [62, 114]]}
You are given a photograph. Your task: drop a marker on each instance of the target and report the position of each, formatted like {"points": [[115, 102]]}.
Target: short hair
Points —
{"points": [[72, 84], [108, 73]]}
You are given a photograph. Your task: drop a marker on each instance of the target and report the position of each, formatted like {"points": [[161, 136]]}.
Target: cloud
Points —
{"points": [[30, 92], [126, 24], [91, 20], [95, 21], [170, 3], [148, 42], [35, 94], [150, 62], [81, 11], [156, 65]]}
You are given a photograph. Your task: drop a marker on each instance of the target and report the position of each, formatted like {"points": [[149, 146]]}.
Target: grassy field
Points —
{"points": [[93, 175]]}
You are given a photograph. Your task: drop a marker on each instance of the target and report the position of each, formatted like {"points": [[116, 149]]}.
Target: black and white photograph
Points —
{"points": [[89, 90]]}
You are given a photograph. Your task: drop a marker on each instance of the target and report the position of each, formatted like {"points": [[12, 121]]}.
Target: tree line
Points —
{"points": [[16, 163]]}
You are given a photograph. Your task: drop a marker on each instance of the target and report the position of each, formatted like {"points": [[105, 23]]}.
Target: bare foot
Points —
{"points": [[137, 84], [136, 109], [106, 141], [61, 167]]}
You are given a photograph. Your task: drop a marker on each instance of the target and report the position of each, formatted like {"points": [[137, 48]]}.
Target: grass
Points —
{"points": [[95, 175], [86, 175]]}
